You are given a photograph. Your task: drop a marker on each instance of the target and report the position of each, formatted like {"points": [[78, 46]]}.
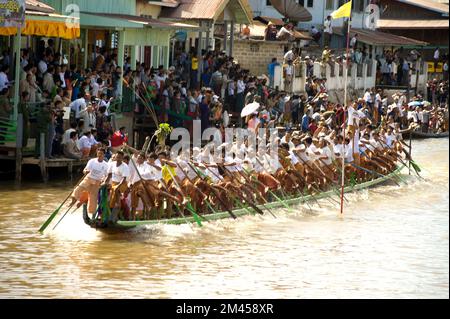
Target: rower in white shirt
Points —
{"points": [[118, 174]]}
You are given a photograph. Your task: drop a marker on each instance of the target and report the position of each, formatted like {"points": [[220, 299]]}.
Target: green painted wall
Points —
{"points": [[147, 37], [102, 6]]}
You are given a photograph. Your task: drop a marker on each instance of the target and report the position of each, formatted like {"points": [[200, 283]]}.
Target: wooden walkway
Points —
{"points": [[46, 164]]}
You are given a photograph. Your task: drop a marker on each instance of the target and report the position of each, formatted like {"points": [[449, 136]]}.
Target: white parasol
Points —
{"points": [[249, 109]]}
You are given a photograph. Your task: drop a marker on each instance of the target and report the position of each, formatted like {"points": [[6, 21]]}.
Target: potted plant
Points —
{"points": [[164, 130]]}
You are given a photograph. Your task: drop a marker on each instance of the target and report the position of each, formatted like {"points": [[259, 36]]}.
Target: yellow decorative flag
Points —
{"points": [[343, 11]]}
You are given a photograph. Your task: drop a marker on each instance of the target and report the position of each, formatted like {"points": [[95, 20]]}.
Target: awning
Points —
{"points": [[110, 20], [209, 10], [381, 38], [46, 25], [292, 10], [412, 24]]}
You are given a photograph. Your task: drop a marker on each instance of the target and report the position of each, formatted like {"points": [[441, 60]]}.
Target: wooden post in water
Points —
{"points": [[42, 157], [19, 143], [410, 152]]}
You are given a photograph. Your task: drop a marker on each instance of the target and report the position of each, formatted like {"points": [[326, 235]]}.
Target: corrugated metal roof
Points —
{"points": [[164, 3], [195, 9], [207, 10], [412, 24], [38, 6], [266, 20], [145, 21], [427, 4], [381, 38]]}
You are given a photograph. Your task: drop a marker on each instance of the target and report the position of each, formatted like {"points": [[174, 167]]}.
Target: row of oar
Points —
{"points": [[250, 182]]}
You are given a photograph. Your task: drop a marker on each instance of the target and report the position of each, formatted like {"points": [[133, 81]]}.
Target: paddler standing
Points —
{"points": [[96, 170]]}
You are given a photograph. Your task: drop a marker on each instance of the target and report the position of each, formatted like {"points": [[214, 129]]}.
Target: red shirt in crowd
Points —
{"points": [[118, 139], [312, 127]]}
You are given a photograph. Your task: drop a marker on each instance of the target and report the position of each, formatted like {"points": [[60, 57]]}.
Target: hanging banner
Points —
{"points": [[12, 13]]}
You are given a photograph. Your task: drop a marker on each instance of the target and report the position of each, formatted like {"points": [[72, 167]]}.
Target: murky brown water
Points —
{"points": [[392, 242]]}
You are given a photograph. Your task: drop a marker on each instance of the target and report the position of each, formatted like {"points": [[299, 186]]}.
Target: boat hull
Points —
{"points": [[122, 225], [421, 135]]}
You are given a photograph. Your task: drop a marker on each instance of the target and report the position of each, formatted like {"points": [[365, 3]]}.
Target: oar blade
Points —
{"points": [[49, 220]]}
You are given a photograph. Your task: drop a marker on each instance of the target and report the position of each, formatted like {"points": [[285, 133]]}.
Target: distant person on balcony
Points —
{"points": [[327, 31], [271, 32], [245, 34], [436, 57], [291, 55], [286, 33], [316, 35], [354, 41]]}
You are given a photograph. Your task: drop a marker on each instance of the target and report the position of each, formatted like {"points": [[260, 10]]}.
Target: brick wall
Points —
{"points": [[256, 55]]}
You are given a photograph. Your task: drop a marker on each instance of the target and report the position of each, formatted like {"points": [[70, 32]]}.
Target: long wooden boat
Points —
{"points": [[123, 225], [418, 134]]}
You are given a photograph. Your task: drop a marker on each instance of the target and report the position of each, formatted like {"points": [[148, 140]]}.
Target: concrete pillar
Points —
{"points": [[208, 35], [232, 38], [86, 48], [225, 36], [121, 58], [17, 39], [133, 52], [199, 55]]}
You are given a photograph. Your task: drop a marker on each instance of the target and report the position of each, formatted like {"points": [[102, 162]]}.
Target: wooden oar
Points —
{"points": [[248, 201], [257, 193], [373, 172], [189, 207], [299, 190], [53, 215], [313, 172], [212, 188], [238, 196], [268, 189]]}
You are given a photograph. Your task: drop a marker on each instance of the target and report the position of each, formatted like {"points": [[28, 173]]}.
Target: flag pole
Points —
{"points": [[345, 102]]}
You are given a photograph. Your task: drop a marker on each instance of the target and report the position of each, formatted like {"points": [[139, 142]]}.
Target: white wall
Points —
{"points": [[318, 12], [333, 83]]}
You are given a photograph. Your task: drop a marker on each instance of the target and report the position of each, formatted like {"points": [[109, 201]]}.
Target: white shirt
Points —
{"points": [[118, 172], [353, 42], [42, 67], [77, 106], [349, 153], [144, 170], [283, 31], [92, 140], [294, 159], [436, 55], [63, 82], [95, 89], [368, 97], [389, 140], [327, 26], [231, 88], [3, 81], [240, 86], [351, 115], [338, 150], [84, 142], [66, 136], [289, 69], [97, 170], [289, 55], [158, 173], [327, 152]]}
